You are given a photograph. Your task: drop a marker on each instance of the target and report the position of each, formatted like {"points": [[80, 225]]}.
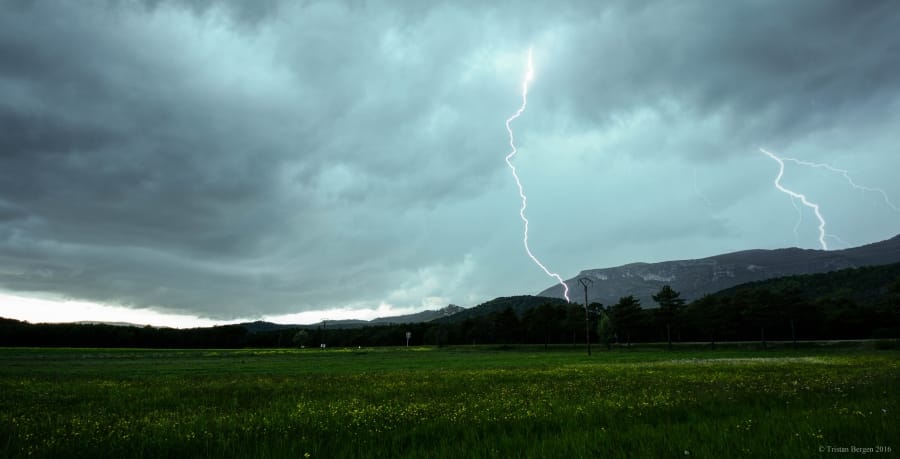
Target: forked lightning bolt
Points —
{"points": [[529, 75], [801, 197], [846, 175]]}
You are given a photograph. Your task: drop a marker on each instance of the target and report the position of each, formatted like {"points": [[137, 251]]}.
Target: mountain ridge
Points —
{"points": [[697, 277]]}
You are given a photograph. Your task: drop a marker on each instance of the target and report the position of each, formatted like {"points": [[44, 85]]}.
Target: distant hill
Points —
{"points": [[867, 285], [695, 278], [846, 304], [424, 316], [419, 317], [519, 305], [261, 326], [849, 303], [115, 324]]}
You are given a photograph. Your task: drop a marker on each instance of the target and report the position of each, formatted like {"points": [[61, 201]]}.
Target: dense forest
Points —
{"points": [[848, 304]]}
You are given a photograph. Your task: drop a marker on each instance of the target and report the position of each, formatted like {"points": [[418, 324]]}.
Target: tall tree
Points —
{"points": [[760, 310], [574, 320], [542, 321], [505, 325], [790, 304], [625, 315], [706, 314], [670, 305], [605, 329]]}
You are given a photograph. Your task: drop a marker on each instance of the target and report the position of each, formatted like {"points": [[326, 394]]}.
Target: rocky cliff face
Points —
{"points": [[695, 278]]}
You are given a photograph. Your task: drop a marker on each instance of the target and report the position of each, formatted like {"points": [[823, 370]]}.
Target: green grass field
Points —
{"points": [[450, 402]]}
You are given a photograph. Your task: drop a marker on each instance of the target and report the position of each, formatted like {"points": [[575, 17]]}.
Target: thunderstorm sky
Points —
{"points": [[187, 163]]}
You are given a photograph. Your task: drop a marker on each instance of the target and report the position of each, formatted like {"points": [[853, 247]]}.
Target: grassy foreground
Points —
{"points": [[456, 402]]}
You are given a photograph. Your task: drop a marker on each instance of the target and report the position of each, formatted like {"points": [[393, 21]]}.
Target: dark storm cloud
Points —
{"points": [[769, 68], [240, 11], [131, 174], [148, 190], [235, 158]]}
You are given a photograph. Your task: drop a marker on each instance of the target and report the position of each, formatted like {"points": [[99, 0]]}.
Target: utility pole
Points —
{"points": [[587, 315]]}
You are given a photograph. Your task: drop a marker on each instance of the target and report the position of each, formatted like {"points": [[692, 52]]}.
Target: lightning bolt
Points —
{"points": [[849, 179], [529, 75], [801, 197]]}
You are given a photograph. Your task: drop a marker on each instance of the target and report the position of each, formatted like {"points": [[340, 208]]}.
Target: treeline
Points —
{"points": [[855, 303], [16, 333], [846, 304], [849, 304]]}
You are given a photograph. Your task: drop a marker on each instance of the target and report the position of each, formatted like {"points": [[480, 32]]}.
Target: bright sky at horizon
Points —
{"points": [[36, 309]]}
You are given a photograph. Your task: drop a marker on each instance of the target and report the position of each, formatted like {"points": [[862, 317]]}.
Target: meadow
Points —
{"points": [[449, 402]]}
